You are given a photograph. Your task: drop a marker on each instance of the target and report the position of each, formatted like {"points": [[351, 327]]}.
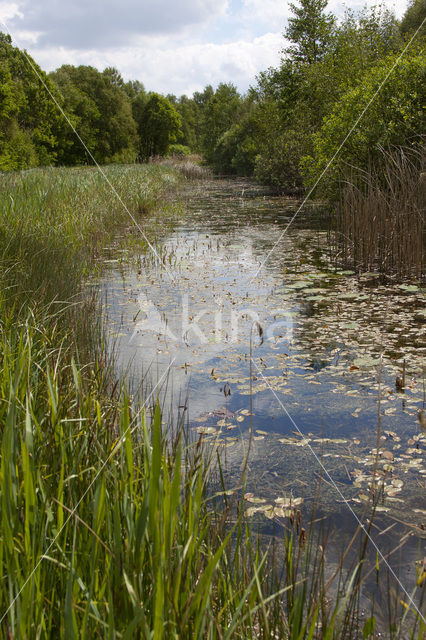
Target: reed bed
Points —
{"points": [[54, 222], [104, 528], [380, 222], [189, 167], [109, 527]]}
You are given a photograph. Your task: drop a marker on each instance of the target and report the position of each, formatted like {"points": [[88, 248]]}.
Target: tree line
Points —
{"points": [[40, 114], [366, 70], [284, 131]]}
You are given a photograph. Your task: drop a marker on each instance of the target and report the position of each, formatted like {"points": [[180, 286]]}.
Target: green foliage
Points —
{"points": [[27, 115], [326, 61], [394, 92], [414, 18], [237, 148], [190, 114], [358, 43], [158, 126], [179, 150], [278, 165], [220, 112], [309, 30], [46, 214], [368, 628], [99, 109], [134, 88]]}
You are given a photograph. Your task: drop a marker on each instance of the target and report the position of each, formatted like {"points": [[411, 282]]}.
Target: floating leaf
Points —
{"points": [[366, 361], [255, 500], [205, 430], [409, 287]]}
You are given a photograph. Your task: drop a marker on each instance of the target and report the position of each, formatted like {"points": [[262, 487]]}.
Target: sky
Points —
{"points": [[172, 46]]}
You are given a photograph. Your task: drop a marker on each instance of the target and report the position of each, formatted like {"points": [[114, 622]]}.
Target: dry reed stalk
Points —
{"points": [[380, 221]]}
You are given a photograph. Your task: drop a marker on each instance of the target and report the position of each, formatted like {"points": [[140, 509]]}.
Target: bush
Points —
{"points": [[179, 150], [394, 93], [279, 164]]}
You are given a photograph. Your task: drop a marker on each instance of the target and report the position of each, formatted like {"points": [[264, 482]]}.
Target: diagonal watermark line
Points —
{"points": [[73, 512], [330, 162], [98, 166], [346, 502]]}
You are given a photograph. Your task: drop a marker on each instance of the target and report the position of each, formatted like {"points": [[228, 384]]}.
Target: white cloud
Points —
{"points": [[9, 10], [109, 23], [182, 69], [270, 13], [172, 46]]}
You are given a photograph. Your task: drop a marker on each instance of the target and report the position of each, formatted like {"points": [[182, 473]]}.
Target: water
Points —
{"points": [[316, 355]]}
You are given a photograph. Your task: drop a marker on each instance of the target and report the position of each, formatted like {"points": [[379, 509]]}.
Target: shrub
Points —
{"points": [[393, 94], [179, 150]]}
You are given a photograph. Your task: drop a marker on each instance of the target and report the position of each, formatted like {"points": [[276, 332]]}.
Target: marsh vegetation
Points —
{"points": [[212, 396]]}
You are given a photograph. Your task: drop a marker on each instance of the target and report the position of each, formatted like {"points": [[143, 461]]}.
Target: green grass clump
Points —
{"points": [[105, 530]]}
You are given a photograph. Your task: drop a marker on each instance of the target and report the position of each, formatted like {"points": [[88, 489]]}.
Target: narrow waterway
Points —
{"points": [[244, 324]]}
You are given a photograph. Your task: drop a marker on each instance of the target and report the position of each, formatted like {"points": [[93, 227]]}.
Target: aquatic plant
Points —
{"points": [[380, 221]]}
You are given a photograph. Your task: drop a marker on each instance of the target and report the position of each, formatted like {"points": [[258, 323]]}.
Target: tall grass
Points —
{"points": [[381, 217], [53, 222], [104, 527], [108, 525]]}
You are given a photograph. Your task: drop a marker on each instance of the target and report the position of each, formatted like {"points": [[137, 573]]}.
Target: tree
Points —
{"points": [[158, 127], [134, 88], [82, 112], [394, 118], [189, 112], [27, 113], [309, 30], [114, 77], [101, 112], [413, 18], [295, 99], [219, 114]]}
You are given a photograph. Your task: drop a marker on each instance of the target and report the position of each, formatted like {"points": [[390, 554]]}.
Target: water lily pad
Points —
{"points": [[205, 430], [314, 290], [348, 296], [366, 361], [255, 500], [409, 287], [303, 284]]}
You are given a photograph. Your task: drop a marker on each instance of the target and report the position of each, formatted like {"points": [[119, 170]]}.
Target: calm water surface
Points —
{"points": [[330, 351]]}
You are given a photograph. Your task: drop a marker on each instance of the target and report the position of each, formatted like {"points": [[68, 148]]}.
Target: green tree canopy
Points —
{"points": [[100, 110], [395, 116], [28, 115], [413, 18], [158, 126], [190, 114], [220, 112], [309, 30]]}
